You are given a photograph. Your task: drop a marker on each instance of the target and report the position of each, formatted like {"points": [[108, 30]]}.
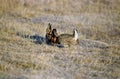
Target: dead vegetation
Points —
{"points": [[96, 56]]}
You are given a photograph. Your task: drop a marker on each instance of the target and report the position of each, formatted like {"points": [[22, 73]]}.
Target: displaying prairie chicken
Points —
{"points": [[63, 39]]}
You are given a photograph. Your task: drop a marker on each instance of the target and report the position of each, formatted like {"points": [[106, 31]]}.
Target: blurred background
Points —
{"points": [[98, 25]]}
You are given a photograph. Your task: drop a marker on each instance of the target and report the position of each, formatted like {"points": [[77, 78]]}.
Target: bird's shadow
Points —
{"points": [[37, 39], [40, 40]]}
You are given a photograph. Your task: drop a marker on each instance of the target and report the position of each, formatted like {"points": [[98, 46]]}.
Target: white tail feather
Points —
{"points": [[76, 34]]}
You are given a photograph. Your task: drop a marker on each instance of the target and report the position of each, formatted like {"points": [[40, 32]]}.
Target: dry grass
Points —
{"points": [[96, 56], [7, 6]]}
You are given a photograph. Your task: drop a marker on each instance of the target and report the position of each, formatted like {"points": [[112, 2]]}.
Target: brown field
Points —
{"points": [[25, 55]]}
